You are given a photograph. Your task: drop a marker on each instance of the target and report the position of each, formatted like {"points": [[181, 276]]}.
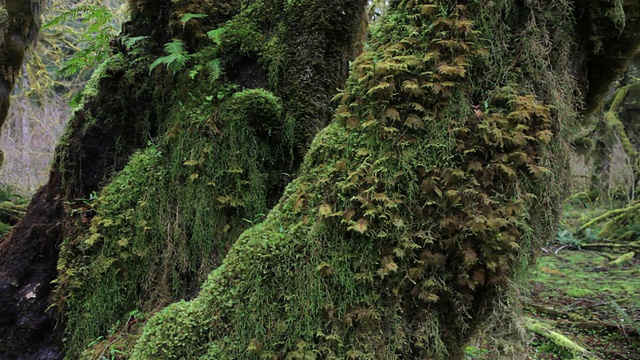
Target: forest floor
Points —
{"points": [[597, 306], [578, 304]]}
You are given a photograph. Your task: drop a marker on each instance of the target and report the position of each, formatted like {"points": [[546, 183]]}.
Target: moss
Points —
{"points": [[414, 209], [566, 346], [15, 38], [579, 293], [4, 23], [610, 31], [220, 159]]}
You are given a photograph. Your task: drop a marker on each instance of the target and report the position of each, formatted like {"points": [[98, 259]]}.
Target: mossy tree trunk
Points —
{"points": [[413, 210], [618, 126], [426, 196], [219, 137]]}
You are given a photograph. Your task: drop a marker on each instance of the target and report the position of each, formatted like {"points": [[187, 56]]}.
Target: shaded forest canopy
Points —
{"points": [[411, 215]]}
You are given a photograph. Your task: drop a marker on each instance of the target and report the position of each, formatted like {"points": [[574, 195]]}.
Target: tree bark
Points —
{"points": [[414, 209], [242, 128]]}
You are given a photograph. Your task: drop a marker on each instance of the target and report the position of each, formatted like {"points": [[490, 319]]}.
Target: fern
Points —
{"points": [[129, 42], [175, 59], [214, 68], [186, 17], [215, 35], [99, 28], [73, 14]]}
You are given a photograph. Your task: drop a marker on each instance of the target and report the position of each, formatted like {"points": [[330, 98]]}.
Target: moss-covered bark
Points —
{"points": [[617, 126], [413, 211], [115, 119], [426, 196], [241, 112]]}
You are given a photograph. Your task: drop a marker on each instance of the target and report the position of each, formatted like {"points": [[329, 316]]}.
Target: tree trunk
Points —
{"points": [[221, 137], [617, 126], [413, 211], [19, 25], [430, 192]]}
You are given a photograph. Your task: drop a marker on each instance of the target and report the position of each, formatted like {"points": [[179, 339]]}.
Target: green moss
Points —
{"points": [[413, 210], [569, 276], [16, 36], [579, 293], [221, 158], [561, 345]]}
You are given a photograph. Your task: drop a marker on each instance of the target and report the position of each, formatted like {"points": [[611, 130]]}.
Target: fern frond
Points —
{"points": [[175, 59], [129, 42], [215, 35], [186, 17], [214, 68]]}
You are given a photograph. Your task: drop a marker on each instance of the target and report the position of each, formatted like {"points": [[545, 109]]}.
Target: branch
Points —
{"points": [[558, 339], [610, 214]]}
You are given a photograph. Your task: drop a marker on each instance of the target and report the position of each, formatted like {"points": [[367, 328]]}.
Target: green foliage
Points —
{"points": [[472, 352], [185, 18], [221, 156], [175, 59], [99, 28], [566, 238], [4, 228], [415, 208]]}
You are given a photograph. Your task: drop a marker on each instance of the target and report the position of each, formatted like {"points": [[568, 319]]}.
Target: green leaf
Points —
{"points": [[186, 17], [129, 42], [215, 35], [175, 59], [214, 68]]}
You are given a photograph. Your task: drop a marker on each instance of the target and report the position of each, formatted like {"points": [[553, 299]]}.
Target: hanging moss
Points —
{"points": [[221, 158]]}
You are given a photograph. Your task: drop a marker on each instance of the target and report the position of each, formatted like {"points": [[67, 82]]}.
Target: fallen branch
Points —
{"points": [[633, 245], [568, 317], [558, 339], [629, 209]]}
